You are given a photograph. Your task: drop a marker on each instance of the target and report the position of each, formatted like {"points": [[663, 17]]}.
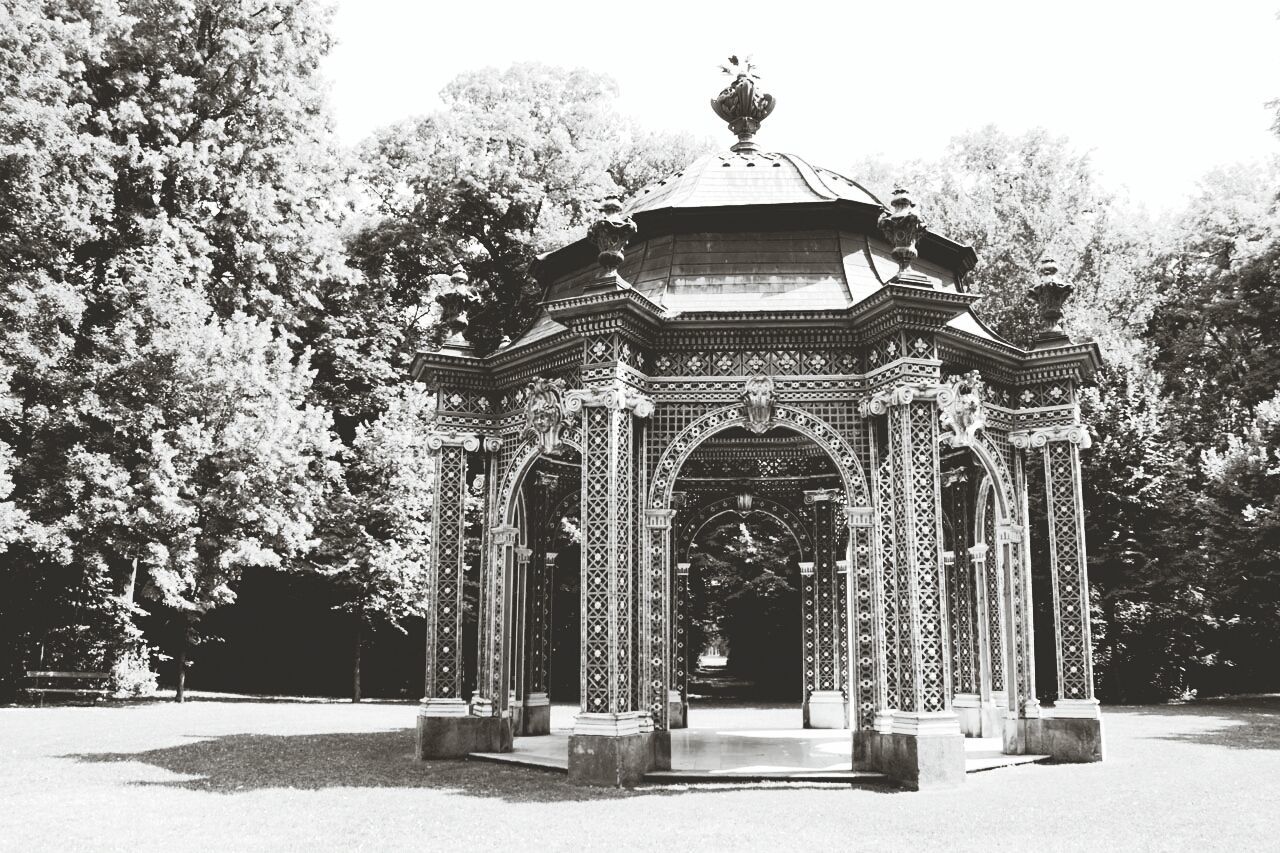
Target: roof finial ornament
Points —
{"points": [[741, 105], [903, 227], [1050, 294], [611, 233]]}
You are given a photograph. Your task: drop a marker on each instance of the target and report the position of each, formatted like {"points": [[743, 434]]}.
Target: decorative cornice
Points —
{"points": [[1075, 434], [467, 441]]}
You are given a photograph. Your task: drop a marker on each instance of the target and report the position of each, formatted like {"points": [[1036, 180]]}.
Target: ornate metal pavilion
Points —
{"points": [[757, 319]]}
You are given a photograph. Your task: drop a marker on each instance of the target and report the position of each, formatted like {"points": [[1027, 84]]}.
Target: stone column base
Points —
{"points": [[617, 761], [537, 715], [677, 711], [826, 709], [1068, 740], [917, 762], [992, 719], [458, 737], [968, 708]]}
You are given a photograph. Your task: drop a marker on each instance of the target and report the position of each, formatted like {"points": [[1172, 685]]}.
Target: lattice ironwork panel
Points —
{"points": [[680, 616], [926, 511], [994, 570], [904, 556], [657, 651], [827, 614], [863, 640], [598, 619], [1070, 574], [444, 627]]}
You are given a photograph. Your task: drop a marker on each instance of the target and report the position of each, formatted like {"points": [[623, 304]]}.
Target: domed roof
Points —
{"points": [[748, 177]]}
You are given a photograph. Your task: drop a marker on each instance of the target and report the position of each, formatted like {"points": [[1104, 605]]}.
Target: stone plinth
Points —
{"points": [[827, 709], [459, 736], [968, 708], [918, 762], [537, 715]]}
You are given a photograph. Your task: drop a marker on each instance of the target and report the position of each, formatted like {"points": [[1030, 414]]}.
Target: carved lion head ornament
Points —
{"points": [[757, 403], [544, 412], [962, 414]]}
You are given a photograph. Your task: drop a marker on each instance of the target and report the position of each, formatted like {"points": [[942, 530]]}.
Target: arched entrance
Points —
{"points": [[785, 473]]}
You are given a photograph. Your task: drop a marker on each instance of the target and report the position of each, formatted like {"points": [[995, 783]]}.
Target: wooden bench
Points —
{"points": [[70, 684]]}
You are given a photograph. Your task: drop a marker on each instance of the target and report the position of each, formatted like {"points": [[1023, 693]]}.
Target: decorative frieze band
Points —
{"points": [[1036, 438], [617, 397]]}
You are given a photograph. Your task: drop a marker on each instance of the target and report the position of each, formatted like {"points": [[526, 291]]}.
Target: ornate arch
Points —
{"points": [[525, 457], [689, 529], [797, 420]]}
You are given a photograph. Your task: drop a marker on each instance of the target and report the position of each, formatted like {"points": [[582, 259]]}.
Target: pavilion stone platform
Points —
{"points": [[756, 334], [747, 745]]}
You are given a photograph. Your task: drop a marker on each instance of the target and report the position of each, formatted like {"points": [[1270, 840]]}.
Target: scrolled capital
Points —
{"points": [[467, 441], [658, 519], [1037, 438], [904, 395], [617, 397]]}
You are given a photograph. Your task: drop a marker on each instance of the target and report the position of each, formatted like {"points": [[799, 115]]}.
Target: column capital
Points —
{"points": [[978, 552], [683, 568], [658, 518], [860, 516], [492, 444], [1006, 533], [523, 555], [616, 396], [842, 567], [550, 557], [467, 441], [948, 558], [814, 496], [902, 395], [504, 535], [806, 567], [1035, 438]]}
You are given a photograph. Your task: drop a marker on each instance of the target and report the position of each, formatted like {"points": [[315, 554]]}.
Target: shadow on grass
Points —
{"points": [[240, 763], [1254, 721]]}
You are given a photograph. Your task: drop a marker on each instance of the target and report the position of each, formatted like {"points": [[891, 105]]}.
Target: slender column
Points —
{"points": [[826, 704], [493, 677], [809, 619], [888, 699], [993, 596], [537, 700], [443, 695], [914, 503], [518, 596], [1014, 540], [608, 537], [678, 699], [1070, 580], [861, 606], [656, 598]]}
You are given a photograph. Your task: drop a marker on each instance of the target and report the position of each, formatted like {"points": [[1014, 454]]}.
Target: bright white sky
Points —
{"points": [[1158, 92]]}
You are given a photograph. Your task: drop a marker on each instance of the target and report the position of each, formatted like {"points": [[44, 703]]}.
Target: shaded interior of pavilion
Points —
{"points": [[761, 630]]}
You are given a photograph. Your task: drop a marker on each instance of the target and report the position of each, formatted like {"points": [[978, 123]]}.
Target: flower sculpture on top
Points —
{"points": [[962, 410], [903, 227], [545, 413], [741, 105], [611, 233], [757, 403]]}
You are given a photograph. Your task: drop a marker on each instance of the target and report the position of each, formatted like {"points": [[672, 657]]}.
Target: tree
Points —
{"points": [[515, 164], [239, 475], [377, 535], [1016, 199], [1213, 337], [1240, 517], [161, 162]]}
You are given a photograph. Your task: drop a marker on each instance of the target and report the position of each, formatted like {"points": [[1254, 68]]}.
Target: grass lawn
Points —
{"points": [[236, 775]]}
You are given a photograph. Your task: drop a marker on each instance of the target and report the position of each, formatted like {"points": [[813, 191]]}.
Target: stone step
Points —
{"points": [[723, 777], [538, 762]]}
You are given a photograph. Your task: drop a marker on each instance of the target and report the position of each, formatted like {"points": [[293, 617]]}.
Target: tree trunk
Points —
{"points": [[182, 659], [355, 663], [133, 582]]}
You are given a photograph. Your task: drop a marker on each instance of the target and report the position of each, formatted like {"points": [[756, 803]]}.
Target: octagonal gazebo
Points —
{"points": [[755, 319]]}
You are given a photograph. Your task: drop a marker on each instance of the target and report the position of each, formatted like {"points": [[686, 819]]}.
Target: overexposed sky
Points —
{"points": [[1158, 92]]}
